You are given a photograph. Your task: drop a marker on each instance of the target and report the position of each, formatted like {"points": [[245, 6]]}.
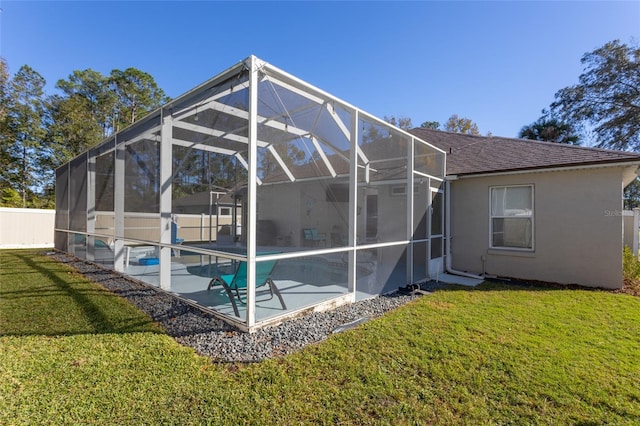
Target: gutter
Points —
{"points": [[447, 234], [547, 169]]}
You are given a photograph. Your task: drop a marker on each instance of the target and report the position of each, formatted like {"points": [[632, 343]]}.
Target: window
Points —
{"points": [[400, 190], [512, 217]]}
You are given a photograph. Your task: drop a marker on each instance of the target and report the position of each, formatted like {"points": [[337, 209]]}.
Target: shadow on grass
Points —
{"points": [[177, 318], [519, 285], [77, 291]]}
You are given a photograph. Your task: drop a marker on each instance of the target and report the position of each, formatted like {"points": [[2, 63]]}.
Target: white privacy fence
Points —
{"points": [[631, 228], [190, 227], [33, 228], [26, 228]]}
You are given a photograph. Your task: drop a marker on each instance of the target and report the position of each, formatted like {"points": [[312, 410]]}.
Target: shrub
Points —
{"points": [[630, 265], [630, 272]]}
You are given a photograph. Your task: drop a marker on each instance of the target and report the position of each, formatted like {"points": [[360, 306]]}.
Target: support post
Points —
{"points": [[91, 205], [118, 205], [67, 225], [410, 196], [353, 200], [636, 229], [165, 199], [252, 64]]}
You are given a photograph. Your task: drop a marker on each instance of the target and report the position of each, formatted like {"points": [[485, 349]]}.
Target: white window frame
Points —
{"points": [[532, 217]]}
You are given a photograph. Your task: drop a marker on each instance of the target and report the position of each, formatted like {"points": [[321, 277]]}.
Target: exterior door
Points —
{"points": [[436, 233]]}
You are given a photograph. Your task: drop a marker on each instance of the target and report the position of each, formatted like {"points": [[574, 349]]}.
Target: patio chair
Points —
{"points": [[313, 238], [174, 238], [235, 284]]}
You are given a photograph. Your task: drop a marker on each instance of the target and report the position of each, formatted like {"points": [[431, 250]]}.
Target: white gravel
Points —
{"points": [[221, 342]]}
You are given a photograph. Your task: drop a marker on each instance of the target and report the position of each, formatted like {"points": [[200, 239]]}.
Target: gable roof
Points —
{"points": [[467, 154]]}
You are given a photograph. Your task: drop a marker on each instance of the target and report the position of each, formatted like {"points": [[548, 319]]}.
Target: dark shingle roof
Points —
{"points": [[468, 154]]}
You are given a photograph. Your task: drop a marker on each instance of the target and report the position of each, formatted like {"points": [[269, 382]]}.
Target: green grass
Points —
{"points": [[71, 353]]}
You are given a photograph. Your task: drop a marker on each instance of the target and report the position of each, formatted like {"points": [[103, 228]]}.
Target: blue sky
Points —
{"points": [[497, 63]]}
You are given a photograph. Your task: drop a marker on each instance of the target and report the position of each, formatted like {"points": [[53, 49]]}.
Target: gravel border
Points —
{"points": [[214, 338]]}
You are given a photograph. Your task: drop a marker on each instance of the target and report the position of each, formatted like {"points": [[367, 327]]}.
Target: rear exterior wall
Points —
{"points": [[577, 228]]}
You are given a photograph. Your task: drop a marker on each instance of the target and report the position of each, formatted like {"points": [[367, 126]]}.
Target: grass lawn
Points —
{"points": [[72, 353]]}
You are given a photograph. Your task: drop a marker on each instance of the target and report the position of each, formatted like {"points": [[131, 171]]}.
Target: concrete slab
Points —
{"points": [[457, 279]]}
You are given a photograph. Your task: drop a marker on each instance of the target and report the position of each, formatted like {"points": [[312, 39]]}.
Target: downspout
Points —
{"points": [[447, 236]]}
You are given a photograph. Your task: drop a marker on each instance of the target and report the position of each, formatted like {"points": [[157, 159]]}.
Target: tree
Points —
{"points": [[136, 94], [5, 156], [93, 107], [89, 91], [24, 132], [4, 89], [39, 133], [435, 125], [606, 99], [81, 116], [551, 130], [290, 154], [631, 195], [72, 127], [456, 124], [403, 123]]}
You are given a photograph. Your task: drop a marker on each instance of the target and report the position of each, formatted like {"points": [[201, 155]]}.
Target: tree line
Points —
{"points": [[602, 109], [39, 132]]}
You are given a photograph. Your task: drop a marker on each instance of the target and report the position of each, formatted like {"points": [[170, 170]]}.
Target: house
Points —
{"points": [[258, 182], [534, 210]]}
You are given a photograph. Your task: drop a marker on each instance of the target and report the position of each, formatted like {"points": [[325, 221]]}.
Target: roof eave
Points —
{"points": [[552, 168]]}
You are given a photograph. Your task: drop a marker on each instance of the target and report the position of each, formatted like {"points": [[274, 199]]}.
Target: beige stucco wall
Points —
{"points": [[283, 209], [303, 205], [577, 228]]}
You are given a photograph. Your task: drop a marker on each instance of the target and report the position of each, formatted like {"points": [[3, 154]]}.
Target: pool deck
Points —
{"points": [[193, 287], [303, 282]]}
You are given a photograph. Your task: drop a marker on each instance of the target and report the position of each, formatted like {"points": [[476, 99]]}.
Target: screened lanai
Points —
{"points": [[257, 177]]}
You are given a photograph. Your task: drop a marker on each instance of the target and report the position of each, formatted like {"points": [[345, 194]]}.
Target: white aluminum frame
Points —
{"points": [[173, 114]]}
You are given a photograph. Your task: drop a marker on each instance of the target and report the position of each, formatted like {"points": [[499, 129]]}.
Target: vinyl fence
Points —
{"points": [[26, 228], [631, 229]]}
